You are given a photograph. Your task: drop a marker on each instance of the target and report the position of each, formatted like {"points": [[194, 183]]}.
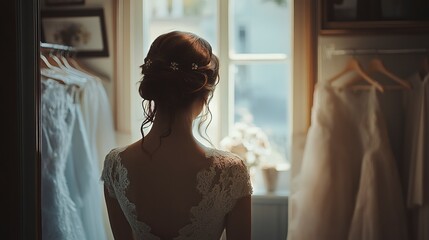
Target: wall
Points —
{"points": [[102, 66]]}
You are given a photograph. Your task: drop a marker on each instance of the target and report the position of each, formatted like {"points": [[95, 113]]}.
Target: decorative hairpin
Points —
{"points": [[174, 66], [148, 63]]}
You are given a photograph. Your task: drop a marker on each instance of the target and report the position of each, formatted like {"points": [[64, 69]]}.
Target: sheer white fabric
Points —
{"points": [[417, 156], [60, 218], [98, 119], [82, 173], [348, 186], [417, 140], [220, 185]]}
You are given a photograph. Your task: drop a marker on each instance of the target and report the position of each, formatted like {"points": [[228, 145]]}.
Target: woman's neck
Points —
{"points": [[176, 126], [172, 132]]}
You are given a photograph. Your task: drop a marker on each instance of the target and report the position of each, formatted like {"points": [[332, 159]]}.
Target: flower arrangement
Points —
{"points": [[248, 142]]}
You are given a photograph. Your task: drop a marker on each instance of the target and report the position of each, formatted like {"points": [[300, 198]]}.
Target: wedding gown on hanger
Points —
{"points": [[60, 218], [98, 119], [82, 174], [417, 157], [348, 186]]}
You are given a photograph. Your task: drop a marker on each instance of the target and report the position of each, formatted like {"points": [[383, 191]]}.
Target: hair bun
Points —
{"points": [[178, 69], [160, 86]]}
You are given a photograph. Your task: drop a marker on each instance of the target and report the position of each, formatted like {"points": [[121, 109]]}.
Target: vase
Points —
{"points": [[270, 175]]}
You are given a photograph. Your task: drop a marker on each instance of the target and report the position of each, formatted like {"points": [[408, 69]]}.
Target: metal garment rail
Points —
{"points": [[57, 47], [332, 51]]}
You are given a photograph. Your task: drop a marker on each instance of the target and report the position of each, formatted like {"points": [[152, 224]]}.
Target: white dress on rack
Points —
{"points": [[82, 174], [220, 185], [348, 186], [417, 156], [98, 119], [60, 220]]}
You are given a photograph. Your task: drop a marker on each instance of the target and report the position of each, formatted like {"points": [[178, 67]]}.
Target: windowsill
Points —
{"points": [[260, 190], [275, 194]]}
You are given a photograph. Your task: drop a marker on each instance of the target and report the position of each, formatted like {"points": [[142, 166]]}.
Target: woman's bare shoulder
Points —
{"points": [[225, 158]]}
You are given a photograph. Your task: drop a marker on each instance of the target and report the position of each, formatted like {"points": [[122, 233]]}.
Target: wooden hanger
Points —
{"points": [[51, 60], [43, 62], [59, 72], [58, 62], [51, 72], [66, 62], [354, 65], [59, 59], [46, 62], [75, 63], [377, 65]]}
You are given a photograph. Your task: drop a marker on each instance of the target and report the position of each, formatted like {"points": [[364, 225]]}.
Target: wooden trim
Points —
{"points": [[29, 97], [129, 54], [122, 47], [311, 45], [225, 86], [304, 65], [11, 176], [305, 76]]}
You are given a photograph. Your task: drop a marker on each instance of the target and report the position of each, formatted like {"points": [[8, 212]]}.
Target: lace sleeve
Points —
{"points": [[241, 185], [107, 174]]}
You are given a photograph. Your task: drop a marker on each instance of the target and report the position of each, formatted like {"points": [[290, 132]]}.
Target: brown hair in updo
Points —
{"points": [[179, 69]]}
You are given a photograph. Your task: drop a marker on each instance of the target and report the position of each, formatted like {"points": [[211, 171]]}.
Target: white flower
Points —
{"points": [[247, 141]]}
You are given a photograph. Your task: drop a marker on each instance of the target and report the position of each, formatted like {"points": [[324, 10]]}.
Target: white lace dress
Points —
{"points": [[220, 185], [60, 218]]}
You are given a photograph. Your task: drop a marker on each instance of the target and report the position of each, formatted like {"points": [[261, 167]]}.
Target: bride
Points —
{"points": [[167, 185]]}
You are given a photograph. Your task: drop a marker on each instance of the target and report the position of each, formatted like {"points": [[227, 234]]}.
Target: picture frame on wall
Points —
{"points": [[82, 29], [64, 2], [373, 16]]}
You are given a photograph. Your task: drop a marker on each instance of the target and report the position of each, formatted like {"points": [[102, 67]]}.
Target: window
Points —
{"points": [[253, 40]]}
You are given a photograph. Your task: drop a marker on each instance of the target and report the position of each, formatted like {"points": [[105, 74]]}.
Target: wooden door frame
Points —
{"points": [[22, 128]]}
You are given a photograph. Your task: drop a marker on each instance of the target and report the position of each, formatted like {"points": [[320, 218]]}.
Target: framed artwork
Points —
{"points": [[82, 29], [373, 16], [64, 2]]}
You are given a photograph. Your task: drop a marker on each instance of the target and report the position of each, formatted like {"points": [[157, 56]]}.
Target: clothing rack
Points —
{"points": [[57, 47], [332, 51]]}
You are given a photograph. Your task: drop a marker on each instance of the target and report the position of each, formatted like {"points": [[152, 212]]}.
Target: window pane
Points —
{"points": [[261, 26], [261, 96], [197, 16]]}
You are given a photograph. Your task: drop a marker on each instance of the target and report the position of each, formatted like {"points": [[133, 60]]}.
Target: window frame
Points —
{"points": [[228, 58]]}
